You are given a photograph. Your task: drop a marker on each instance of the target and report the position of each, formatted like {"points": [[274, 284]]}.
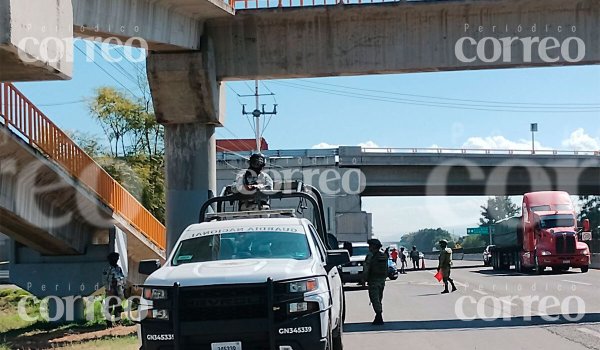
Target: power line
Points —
{"points": [[104, 70], [452, 99], [437, 104]]}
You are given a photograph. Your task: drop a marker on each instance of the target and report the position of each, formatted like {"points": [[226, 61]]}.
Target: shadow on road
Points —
{"points": [[491, 272], [473, 324]]}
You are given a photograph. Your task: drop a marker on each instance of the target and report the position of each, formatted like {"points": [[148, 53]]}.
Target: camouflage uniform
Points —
{"points": [[114, 284], [445, 265], [114, 281], [375, 273]]}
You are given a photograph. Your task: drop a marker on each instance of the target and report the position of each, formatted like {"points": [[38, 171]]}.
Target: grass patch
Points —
{"points": [[121, 343], [9, 304]]}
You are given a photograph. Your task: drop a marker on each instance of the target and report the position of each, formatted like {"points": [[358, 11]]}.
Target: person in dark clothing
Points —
{"points": [[375, 273]]}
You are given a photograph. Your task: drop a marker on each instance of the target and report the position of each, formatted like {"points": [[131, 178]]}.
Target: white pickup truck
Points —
{"points": [[246, 282]]}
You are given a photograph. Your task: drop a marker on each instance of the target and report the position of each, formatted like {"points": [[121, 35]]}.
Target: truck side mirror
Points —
{"points": [[337, 257], [586, 225], [147, 267]]}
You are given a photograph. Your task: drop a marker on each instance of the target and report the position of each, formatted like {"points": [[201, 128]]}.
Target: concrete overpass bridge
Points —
{"points": [[462, 172], [197, 45], [346, 174], [62, 211]]}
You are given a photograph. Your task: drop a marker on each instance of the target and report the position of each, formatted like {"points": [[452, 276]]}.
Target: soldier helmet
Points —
{"points": [[443, 242], [257, 161], [114, 256], [375, 242]]}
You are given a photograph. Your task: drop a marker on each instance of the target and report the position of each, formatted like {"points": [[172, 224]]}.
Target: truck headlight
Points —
{"points": [[546, 253], [585, 251], [302, 307], [155, 294], [303, 286], [159, 314]]}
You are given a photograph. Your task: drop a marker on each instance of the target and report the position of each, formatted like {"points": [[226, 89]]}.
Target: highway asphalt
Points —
{"points": [[490, 310]]}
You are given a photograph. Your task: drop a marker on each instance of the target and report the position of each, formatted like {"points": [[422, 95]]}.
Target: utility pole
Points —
{"points": [[257, 113]]}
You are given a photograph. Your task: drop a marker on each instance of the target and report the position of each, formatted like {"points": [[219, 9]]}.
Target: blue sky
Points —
{"points": [[311, 113]]}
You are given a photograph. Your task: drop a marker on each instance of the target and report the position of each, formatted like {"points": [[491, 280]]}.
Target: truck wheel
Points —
{"points": [[585, 269], [337, 338]]}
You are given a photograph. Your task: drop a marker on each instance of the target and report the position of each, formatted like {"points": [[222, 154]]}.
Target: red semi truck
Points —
{"points": [[546, 235]]}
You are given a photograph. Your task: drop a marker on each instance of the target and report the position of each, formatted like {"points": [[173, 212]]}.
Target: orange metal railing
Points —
{"points": [[39, 131], [257, 4]]}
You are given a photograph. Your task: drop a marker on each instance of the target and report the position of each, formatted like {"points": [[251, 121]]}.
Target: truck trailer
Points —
{"points": [[545, 235]]}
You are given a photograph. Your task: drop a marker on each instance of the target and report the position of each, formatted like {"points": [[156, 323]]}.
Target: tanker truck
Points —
{"points": [[545, 235]]}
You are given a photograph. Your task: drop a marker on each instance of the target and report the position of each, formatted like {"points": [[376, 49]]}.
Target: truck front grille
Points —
{"points": [[565, 244], [223, 302]]}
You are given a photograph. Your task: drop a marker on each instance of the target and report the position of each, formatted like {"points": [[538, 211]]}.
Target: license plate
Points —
{"points": [[232, 345], [566, 261], [353, 270]]}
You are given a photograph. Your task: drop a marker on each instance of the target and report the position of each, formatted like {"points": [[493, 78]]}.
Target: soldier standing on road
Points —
{"points": [[414, 256], [403, 263], [114, 285], [445, 265], [375, 273]]}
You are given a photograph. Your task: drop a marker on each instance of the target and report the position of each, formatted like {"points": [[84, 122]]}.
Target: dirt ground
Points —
{"points": [[56, 338]]}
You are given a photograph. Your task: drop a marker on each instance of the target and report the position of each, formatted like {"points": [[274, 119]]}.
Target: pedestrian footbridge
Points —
{"points": [[62, 211]]}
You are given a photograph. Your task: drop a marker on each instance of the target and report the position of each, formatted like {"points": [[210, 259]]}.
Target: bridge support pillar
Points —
{"points": [[191, 174], [187, 100]]}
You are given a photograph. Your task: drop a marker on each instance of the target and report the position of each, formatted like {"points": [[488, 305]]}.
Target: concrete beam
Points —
{"points": [[185, 88], [35, 44], [167, 25], [397, 37]]}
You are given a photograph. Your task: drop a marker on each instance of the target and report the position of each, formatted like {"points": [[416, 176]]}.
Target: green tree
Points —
{"points": [[472, 241], [497, 208], [134, 156], [426, 239]]}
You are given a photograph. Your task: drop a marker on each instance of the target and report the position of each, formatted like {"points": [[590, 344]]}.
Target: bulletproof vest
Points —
{"points": [[379, 264]]}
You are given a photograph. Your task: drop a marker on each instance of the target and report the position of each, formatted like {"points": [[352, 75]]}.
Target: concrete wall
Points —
{"points": [[35, 44], [393, 37]]}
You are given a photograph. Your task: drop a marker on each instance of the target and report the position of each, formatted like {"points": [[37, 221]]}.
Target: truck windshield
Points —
{"points": [[554, 207], [358, 251], [550, 221], [243, 245]]}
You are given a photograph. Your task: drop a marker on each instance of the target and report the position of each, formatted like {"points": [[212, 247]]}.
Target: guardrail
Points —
{"points": [[258, 4], [273, 154], [480, 151], [21, 115]]}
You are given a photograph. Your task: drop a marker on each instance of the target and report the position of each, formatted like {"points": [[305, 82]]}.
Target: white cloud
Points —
{"points": [[500, 142], [580, 141], [367, 144], [323, 145]]}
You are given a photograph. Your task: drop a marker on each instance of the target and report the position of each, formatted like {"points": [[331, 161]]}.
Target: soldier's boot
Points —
{"points": [[378, 321], [445, 287], [453, 286]]}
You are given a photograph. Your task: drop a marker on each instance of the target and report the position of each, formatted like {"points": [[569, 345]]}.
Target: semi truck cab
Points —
{"points": [[551, 237]]}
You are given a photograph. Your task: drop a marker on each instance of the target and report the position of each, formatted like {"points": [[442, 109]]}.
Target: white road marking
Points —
{"points": [[576, 282], [480, 292], [460, 284], [589, 331]]}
